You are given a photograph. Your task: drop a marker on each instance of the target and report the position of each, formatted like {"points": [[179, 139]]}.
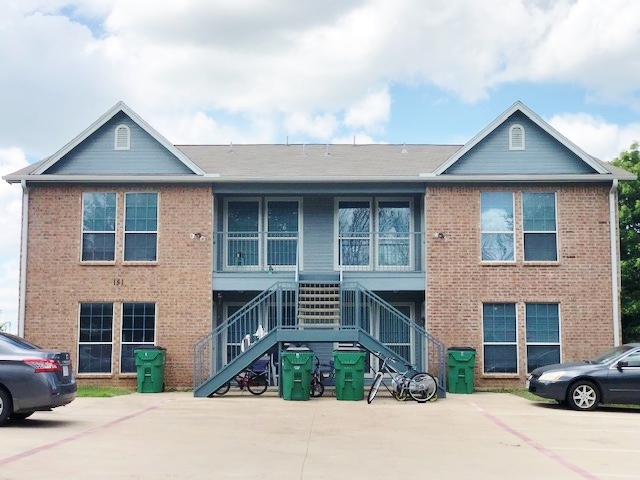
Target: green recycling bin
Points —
{"points": [[349, 373], [296, 373], [460, 365], [150, 369]]}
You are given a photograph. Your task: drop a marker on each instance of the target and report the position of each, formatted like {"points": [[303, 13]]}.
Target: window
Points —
{"points": [[141, 227], [516, 137], [394, 227], [95, 343], [138, 331], [98, 226], [499, 338], [354, 230], [282, 232], [539, 225], [122, 138], [543, 335], [243, 226], [496, 226]]}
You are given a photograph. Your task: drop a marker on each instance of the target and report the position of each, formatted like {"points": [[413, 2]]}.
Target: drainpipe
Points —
{"points": [[23, 256], [615, 267]]}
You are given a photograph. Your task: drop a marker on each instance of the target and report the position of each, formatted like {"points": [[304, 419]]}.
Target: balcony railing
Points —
{"points": [[282, 251]]}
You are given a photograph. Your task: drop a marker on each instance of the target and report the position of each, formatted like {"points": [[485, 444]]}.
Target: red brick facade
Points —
{"points": [[458, 283], [179, 283]]}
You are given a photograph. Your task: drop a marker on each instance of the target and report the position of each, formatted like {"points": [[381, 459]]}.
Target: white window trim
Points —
{"points": [[378, 234], [513, 232], [516, 342], [336, 234], [512, 145], [300, 243], [527, 342], [122, 343], [95, 374], [82, 232], [555, 232], [117, 144], [125, 231]]}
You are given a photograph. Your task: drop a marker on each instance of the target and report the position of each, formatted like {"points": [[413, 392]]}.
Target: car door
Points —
{"points": [[623, 381]]}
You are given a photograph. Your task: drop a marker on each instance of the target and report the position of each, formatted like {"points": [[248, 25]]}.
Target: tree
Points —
{"points": [[629, 213]]}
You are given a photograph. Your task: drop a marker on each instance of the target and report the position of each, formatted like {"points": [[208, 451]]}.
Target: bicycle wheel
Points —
{"points": [[422, 387], [317, 389], [223, 389], [374, 387], [257, 384]]}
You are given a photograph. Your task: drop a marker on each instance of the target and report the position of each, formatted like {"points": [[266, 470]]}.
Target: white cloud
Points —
{"points": [[372, 113], [595, 135], [318, 126]]}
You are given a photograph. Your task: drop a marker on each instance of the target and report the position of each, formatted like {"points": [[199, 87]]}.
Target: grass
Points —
{"points": [[104, 392]]}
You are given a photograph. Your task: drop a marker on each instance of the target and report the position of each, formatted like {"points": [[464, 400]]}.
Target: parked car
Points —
{"points": [[32, 378], [611, 378]]}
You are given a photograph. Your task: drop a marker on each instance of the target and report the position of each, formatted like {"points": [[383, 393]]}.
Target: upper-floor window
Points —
{"points": [[539, 226], [95, 341], [122, 138], [543, 334], [499, 338], [141, 227], [516, 137], [375, 233], [496, 226], [138, 331], [98, 226]]}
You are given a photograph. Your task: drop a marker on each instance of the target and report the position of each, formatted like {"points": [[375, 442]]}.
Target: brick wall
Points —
{"points": [[458, 283], [179, 283]]}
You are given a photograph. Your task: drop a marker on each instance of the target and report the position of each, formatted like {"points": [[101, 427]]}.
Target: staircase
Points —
{"points": [[319, 304], [343, 309]]}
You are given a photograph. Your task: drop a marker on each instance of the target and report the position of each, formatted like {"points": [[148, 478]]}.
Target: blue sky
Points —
{"points": [[268, 71]]}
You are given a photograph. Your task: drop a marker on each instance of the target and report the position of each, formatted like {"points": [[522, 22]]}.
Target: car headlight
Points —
{"points": [[553, 376]]}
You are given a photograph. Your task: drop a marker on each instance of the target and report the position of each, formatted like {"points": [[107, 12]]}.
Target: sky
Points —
{"points": [[308, 71]]}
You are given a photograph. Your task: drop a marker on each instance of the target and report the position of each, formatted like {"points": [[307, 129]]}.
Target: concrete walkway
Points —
{"points": [[177, 436]]}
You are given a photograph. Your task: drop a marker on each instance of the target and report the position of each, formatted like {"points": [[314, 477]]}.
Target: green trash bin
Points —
{"points": [[460, 365], [349, 373], [150, 369], [296, 373]]}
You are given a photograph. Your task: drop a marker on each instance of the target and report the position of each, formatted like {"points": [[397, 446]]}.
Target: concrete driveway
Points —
{"points": [[177, 436]]}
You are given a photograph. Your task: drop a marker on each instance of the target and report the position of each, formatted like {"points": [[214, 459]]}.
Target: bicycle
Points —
{"points": [[317, 387], [420, 386], [255, 382]]}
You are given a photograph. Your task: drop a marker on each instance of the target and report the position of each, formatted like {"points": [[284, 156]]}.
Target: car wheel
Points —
{"points": [[6, 406], [583, 395]]}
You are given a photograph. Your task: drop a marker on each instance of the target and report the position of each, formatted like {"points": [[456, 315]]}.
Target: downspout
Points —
{"points": [[615, 267], [23, 257]]}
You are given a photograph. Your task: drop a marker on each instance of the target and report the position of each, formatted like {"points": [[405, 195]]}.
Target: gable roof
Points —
{"points": [[117, 108], [520, 107]]}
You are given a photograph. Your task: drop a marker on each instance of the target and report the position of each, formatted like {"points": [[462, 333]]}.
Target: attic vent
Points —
{"points": [[123, 138], [516, 137]]}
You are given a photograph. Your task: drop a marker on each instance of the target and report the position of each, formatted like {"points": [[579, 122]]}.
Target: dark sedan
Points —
{"points": [[611, 378], [32, 379]]}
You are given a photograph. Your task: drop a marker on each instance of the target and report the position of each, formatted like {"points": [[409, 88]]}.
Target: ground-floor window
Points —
{"points": [[138, 331], [499, 338], [543, 334], [95, 339]]}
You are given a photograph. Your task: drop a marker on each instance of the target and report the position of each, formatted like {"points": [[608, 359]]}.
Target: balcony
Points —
{"points": [[287, 255]]}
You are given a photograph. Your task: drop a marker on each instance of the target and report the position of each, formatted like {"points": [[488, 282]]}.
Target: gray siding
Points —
{"points": [[543, 154], [97, 155]]}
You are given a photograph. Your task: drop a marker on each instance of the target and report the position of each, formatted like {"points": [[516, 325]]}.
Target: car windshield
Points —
{"points": [[14, 341], [610, 354]]}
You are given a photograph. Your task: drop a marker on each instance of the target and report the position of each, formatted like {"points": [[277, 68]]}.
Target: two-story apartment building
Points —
{"points": [[507, 244]]}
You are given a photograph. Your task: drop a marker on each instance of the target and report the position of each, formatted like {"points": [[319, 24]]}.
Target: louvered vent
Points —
{"points": [[123, 137], [516, 137]]}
